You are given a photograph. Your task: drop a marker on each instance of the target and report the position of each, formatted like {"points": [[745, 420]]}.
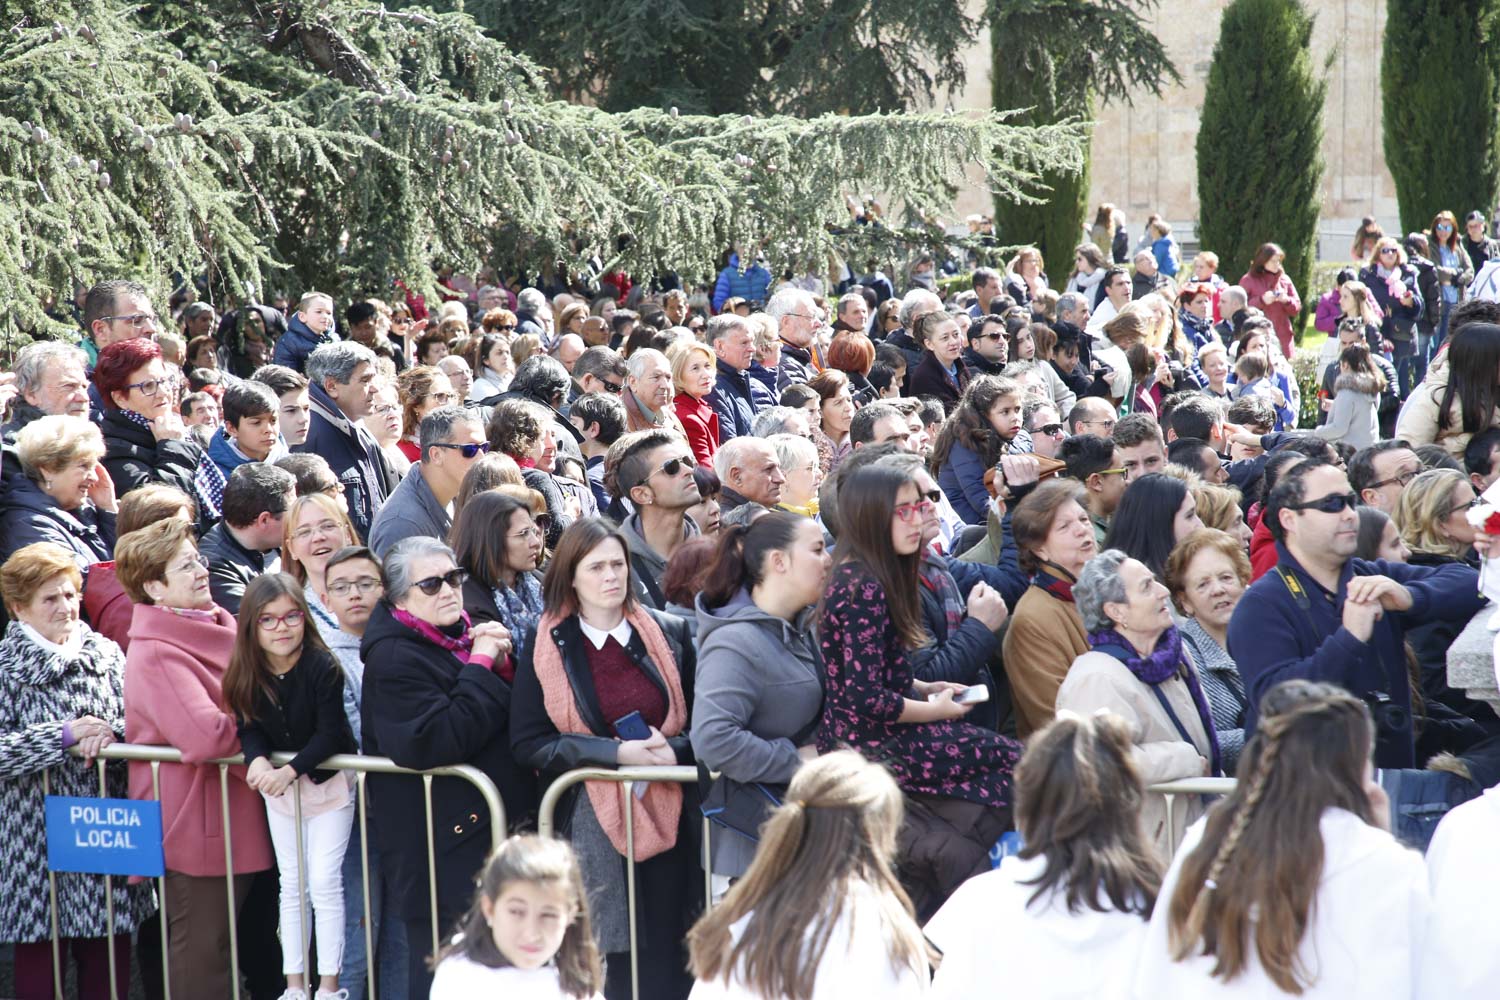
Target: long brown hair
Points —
{"points": [[1253, 879], [1452, 241], [867, 503], [249, 669], [540, 861], [838, 825], [582, 537], [969, 423], [1078, 808]]}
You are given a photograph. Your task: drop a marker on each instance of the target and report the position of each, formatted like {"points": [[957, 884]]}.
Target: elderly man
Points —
{"points": [[879, 423], [533, 313], [782, 420], [51, 380], [569, 347], [648, 393], [460, 374], [341, 390], [796, 317], [750, 473], [733, 344], [1232, 302], [451, 438], [1073, 307], [853, 314]]}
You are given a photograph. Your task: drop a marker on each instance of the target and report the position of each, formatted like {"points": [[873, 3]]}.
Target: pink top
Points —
{"points": [[173, 675], [1279, 313]]}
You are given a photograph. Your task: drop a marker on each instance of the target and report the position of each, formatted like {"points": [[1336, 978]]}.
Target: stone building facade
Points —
{"points": [[1144, 153]]}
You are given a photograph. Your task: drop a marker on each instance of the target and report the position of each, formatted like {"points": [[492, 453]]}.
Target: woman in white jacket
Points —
{"points": [[1460, 961], [820, 914], [1291, 886], [1066, 917]]}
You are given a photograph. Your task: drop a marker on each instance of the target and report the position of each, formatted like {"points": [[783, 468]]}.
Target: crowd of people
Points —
{"points": [[910, 581]]}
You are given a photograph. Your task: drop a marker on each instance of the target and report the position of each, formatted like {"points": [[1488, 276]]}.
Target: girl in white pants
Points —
{"points": [[287, 691]]}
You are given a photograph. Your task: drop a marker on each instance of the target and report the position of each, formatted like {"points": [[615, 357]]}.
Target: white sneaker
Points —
{"points": [[293, 993]]}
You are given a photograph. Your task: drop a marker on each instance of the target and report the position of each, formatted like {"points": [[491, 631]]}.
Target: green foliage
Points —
{"points": [[1440, 90], [735, 56], [1259, 165], [339, 146], [1054, 73]]}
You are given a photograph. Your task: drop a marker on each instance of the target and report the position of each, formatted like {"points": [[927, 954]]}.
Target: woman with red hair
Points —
{"points": [[144, 438], [854, 355]]}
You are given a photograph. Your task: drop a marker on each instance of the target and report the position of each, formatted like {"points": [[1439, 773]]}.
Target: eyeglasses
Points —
{"points": [[933, 496], [134, 319], [321, 528], [538, 527], [1051, 430], [466, 450], [1468, 505], [1445, 228], [195, 563], [1110, 472], [987, 336], [671, 467], [615, 388], [506, 326], [273, 623], [909, 512], [1402, 479], [150, 387], [1386, 250], [454, 578], [385, 408], [1097, 423], [441, 398], [1331, 504], [364, 585]]}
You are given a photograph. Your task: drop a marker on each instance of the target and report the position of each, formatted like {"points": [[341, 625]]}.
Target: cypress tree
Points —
{"points": [[1440, 88], [1055, 58], [1259, 161]]}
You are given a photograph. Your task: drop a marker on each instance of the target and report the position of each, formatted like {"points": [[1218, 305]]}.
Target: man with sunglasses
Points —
{"points": [[452, 439], [1323, 615], [987, 348], [654, 472]]}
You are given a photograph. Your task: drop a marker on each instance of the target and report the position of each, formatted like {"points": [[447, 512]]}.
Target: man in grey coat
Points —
{"points": [[451, 438]]}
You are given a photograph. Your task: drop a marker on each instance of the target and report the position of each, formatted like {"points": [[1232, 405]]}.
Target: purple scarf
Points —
{"points": [[459, 647], [1162, 665]]}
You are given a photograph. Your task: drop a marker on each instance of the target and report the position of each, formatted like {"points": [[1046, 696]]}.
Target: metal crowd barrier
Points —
{"points": [[360, 764], [1187, 786], [628, 776]]}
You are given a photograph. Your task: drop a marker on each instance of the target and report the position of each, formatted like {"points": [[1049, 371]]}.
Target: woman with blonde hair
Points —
{"points": [[1293, 885], [1431, 517], [1067, 915], [523, 347], [63, 496], [820, 914], [1219, 508], [694, 371], [1393, 280], [314, 528]]}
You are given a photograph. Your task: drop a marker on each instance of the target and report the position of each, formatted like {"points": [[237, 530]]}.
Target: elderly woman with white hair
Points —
{"points": [[1137, 668], [798, 458], [436, 693], [64, 497]]}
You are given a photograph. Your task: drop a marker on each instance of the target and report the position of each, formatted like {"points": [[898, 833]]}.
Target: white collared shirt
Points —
{"points": [[622, 633]]}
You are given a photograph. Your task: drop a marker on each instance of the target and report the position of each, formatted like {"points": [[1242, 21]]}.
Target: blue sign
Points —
{"points": [[104, 836]]}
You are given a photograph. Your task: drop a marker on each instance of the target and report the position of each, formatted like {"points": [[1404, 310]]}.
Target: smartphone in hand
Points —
{"points": [[632, 727]]}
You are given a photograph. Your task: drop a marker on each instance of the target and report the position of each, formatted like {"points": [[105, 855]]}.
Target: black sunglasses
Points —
{"points": [[467, 450], [1331, 504], [454, 578], [671, 467], [615, 388], [933, 495], [1051, 430]]}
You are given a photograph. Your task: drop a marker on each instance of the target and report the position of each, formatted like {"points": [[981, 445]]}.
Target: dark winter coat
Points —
{"points": [[961, 479], [29, 515], [363, 472], [929, 378], [733, 401], [231, 566], [298, 342], [1400, 320], [423, 708], [133, 458], [796, 367], [1276, 635]]}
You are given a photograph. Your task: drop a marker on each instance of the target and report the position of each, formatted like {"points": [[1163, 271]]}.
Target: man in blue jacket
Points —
{"points": [[310, 327], [342, 391], [733, 345], [1323, 615]]}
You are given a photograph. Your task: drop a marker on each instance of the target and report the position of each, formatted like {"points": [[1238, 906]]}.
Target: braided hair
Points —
{"points": [[1252, 880]]}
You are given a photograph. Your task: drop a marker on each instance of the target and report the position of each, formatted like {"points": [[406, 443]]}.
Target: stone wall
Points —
{"points": [[1143, 154]]}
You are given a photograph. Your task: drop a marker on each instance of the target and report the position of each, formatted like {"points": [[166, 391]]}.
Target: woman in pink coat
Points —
{"points": [[180, 643], [1269, 289]]}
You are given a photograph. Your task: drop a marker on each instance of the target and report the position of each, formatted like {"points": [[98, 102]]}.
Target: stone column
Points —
{"points": [[1471, 660]]}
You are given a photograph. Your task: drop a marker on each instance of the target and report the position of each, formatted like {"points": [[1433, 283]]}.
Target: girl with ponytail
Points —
{"points": [[820, 914], [1292, 885], [759, 689]]}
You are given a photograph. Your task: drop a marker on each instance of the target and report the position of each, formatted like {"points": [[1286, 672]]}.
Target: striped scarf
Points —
{"points": [[208, 478]]}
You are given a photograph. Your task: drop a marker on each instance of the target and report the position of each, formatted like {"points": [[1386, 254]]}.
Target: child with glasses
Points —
{"points": [[286, 692]]}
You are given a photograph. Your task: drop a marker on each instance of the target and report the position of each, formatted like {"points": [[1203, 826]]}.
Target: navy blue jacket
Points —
{"points": [[297, 343], [1276, 636], [734, 402], [355, 458], [962, 481], [763, 393], [29, 515], [1398, 320]]}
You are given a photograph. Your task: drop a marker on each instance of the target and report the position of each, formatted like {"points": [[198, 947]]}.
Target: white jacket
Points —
{"points": [[856, 966], [1364, 939], [1461, 960], [991, 936]]}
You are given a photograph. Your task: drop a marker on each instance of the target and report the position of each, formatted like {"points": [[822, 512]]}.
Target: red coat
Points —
{"points": [[701, 424], [1279, 313], [173, 676], [1263, 556], [106, 606]]}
